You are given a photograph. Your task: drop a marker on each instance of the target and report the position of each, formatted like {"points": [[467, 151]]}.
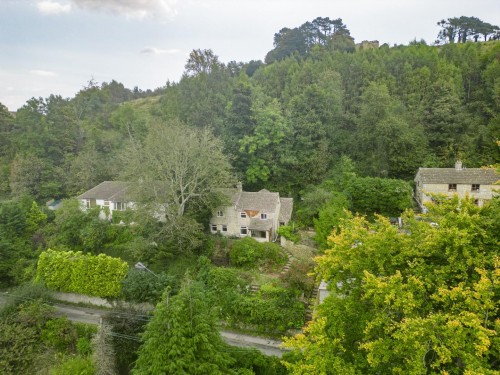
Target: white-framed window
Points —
{"points": [[87, 203], [120, 206], [475, 188], [106, 204], [213, 227], [220, 213], [452, 187], [244, 231], [224, 228], [263, 216], [243, 214]]}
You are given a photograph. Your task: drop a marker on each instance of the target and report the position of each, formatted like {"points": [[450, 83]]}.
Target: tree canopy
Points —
{"points": [[463, 29], [182, 338], [421, 299]]}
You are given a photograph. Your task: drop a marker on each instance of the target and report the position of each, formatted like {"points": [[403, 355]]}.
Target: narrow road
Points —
{"points": [[93, 316]]}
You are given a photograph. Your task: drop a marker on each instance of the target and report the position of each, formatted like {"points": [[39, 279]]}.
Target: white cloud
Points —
{"points": [[42, 73], [158, 51], [132, 8], [52, 7]]}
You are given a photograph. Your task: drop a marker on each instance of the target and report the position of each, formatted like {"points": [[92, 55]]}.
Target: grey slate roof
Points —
{"points": [[262, 201], [286, 210], [258, 224], [232, 193], [108, 190], [483, 176]]}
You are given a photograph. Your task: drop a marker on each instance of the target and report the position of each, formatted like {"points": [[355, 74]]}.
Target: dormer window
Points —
{"points": [[243, 214], [220, 213], [475, 188], [263, 216], [452, 188]]}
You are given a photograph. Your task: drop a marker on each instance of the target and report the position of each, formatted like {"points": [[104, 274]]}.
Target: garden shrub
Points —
{"points": [[76, 272], [74, 365], [272, 309], [60, 334], [297, 277], [290, 233], [254, 362], [249, 253], [143, 286], [225, 286]]}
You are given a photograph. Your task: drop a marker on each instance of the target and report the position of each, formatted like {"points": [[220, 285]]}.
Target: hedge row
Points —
{"points": [[76, 272]]}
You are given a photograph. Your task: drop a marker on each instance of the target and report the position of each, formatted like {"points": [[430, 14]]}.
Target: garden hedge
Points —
{"points": [[76, 272]]}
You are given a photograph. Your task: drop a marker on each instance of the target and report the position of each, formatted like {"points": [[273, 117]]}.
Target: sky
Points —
{"points": [[57, 46]]}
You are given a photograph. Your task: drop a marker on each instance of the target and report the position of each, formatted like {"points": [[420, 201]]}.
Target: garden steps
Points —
{"points": [[290, 257], [312, 304], [254, 288]]}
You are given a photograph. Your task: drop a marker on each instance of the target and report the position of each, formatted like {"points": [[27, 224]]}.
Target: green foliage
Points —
{"points": [[274, 309], [383, 196], [255, 362], [423, 299], [29, 334], [463, 29], [289, 232], [225, 286], [329, 217], [69, 271], [142, 286], [75, 365], [129, 321], [299, 277], [182, 337], [250, 253], [301, 40], [60, 334], [35, 218]]}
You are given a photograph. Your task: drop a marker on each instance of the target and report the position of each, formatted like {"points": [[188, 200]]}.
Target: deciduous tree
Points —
{"points": [[419, 300]]}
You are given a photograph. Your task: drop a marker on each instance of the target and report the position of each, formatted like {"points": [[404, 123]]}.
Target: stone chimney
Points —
{"points": [[458, 165], [239, 186]]}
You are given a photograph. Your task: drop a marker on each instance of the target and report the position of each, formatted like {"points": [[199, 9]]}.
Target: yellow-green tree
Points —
{"points": [[418, 300]]}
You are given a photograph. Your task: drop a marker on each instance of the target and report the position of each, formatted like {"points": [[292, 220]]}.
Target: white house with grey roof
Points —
{"points": [[256, 214], [110, 196], [477, 183]]}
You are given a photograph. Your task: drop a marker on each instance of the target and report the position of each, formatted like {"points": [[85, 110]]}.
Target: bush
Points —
{"points": [[69, 271], [298, 276], [74, 365], [249, 253], [290, 233], [60, 334], [273, 309], [142, 286], [225, 286], [255, 362]]}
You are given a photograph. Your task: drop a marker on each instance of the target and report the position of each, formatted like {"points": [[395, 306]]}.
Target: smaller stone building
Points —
{"points": [[256, 214], [477, 183]]}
